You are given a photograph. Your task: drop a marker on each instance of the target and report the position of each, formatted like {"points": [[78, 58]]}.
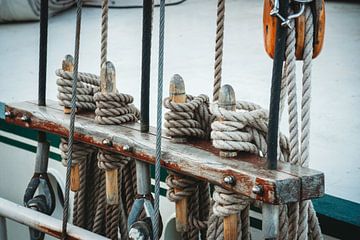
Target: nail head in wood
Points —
{"points": [[9, 114], [229, 180], [258, 189], [107, 142], [25, 118]]}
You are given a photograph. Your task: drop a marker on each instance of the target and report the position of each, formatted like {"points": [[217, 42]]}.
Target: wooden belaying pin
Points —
{"points": [[108, 85], [68, 66], [227, 101], [178, 95]]}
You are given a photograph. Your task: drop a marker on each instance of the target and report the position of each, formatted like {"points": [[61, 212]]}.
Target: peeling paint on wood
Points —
{"points": [[195, 158]]}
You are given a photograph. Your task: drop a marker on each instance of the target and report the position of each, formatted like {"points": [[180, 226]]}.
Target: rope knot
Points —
{"points": [[87, 85], [227, 203], [80, 152], [108, 160], [185, 186], [241, 130], [115, 108], [190, 119]]}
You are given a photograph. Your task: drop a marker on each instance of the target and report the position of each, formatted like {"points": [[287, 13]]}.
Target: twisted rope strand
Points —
{"points": [[219, 48]]}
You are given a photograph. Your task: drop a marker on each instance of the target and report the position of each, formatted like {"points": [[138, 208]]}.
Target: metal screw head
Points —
{"points": [[25, 118], [258, 189], [127, 148], [107, 142], [229, 180], [140, 231], [9, 114]]}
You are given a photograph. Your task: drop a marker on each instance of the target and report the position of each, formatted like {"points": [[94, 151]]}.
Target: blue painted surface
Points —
{"points": [[339, 209], [2, 110]]}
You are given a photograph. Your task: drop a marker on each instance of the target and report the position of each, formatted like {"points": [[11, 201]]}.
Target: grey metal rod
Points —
{"points": [[143, 178], [3, 230], [42, 222], [42, 157]]}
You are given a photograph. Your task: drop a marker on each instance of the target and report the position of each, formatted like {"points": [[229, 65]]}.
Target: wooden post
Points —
{"points": [[68, 66], [108, 85], [227, 101], [177, 95]]}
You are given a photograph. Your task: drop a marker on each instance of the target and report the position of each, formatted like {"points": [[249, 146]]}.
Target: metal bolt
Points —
{"points": [[229, 180], [9, 114], [107, 142], [140, 231], [127, 148], [258, 189], [25, 118]]}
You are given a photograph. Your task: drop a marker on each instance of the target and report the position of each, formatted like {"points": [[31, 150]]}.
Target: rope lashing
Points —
{"points": [[87, 85], [188, 116], [115, 214], [198, 201], [190, 119], [239, 126], [243, 130], [227, 203], [115, 108]]}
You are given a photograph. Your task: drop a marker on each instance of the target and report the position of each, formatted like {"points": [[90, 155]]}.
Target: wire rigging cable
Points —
{"points": [[159, 119], [72, 119]]}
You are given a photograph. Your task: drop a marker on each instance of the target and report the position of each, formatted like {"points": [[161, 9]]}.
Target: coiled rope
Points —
{"points": [[87, 86], [189, 119]]}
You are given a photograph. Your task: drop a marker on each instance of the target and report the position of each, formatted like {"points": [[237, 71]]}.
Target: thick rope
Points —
{"points": [[115, 108], [243, 130], [87, 85], [109, 161], [104, 31], [190, 119], [227, 203], [218, 48], [298, 213], [188, 188]]}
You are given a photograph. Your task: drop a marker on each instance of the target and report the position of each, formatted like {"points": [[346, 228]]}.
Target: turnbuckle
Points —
{"points": [[286, 22]]}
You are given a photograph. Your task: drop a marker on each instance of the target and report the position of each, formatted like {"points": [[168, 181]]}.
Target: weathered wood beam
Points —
{"points": [[198, 159]]}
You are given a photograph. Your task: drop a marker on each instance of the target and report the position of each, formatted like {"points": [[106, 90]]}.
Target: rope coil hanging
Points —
{"points": [[188, 118]]}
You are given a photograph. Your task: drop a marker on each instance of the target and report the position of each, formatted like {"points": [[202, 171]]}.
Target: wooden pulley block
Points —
{"points": [[270, 22]]}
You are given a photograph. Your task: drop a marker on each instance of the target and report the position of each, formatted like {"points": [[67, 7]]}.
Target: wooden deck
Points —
{"points": [[196, 158]]}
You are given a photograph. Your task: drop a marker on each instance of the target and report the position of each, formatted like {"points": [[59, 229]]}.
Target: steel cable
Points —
{"points": [[72, 119], [159, 119]]}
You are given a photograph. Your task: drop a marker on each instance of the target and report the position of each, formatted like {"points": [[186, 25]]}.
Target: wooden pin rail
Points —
{"points": [[195, 158]]}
